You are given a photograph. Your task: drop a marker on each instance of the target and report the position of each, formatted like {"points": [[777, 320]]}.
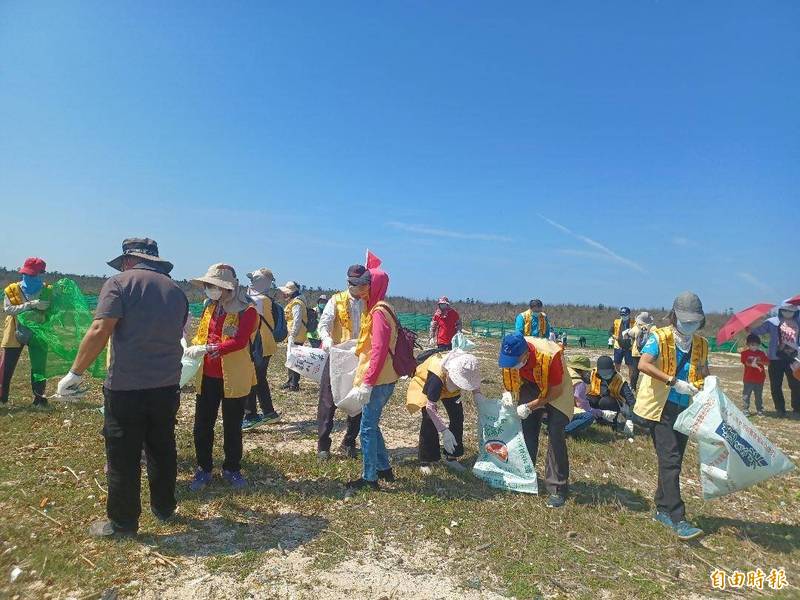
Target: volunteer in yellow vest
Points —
{"points": [[296, 321], [442, 376], [533, 322], [622, 343], [260, 292], [535, 377], [26, 295], [638, 336], [227, 327], [340, 322], [375, 380], [611, 394], [674, 364]]}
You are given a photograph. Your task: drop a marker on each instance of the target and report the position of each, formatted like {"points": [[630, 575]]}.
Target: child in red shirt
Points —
{"points": [[755, 372]]}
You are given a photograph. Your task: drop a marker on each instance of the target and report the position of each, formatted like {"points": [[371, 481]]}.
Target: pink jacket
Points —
{"points": [[381, 329]]}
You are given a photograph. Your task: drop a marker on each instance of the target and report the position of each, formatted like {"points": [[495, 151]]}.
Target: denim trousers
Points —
{"points": [[373, 447]]}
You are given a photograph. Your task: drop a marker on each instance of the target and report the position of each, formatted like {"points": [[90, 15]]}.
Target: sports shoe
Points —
{"points": [[250, 422], [686, 531], [664, 519], [760, 413], [201, 480], [555, 501], [107, 529], [454, 465], [271, 417], [40, 402], [164, 518], [323, 455], [386, 475], [353, 487], [349, 451], [234, 479]]}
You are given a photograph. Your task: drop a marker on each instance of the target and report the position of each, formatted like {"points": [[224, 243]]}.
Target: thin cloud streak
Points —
{"points": [[448, 233], [755, 282], [603, 251]]}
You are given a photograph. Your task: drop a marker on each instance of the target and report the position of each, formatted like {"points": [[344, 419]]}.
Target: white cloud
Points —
{"points": [[601, 250], [448, 233], [756, 282], [683, 242]]}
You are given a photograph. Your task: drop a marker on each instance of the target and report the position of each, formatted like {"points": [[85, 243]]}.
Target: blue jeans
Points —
{"points": [[373, 448], [580, 423]]}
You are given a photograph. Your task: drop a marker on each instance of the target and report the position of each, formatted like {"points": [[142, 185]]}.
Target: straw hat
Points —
{"points": [[219, 274], [463, 369]]}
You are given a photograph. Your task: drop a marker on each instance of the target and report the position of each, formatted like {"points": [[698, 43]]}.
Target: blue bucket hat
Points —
{"points": [[512, 348]]}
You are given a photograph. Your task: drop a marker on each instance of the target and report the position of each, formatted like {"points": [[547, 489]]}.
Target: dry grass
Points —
{"points": [[292, 535]]}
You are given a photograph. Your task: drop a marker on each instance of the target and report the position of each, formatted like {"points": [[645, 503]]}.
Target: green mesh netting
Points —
{"points": [[58, 331]]}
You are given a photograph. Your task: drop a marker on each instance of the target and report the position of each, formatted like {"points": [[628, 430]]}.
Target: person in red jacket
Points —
{"points": [[446, 322], [755, 363]]}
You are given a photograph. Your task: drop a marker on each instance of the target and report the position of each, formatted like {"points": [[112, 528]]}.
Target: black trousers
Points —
{"points": [[442, 347], [9, 357], [429, 447], [293, 378], [777, 369], [670, 446], [260, 391], [633, 369], [557, 465], [212, 394], [325, 412], [132, 420]]}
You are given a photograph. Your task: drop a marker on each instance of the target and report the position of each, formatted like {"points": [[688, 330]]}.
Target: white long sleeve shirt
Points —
{"points": [[355, 307]]}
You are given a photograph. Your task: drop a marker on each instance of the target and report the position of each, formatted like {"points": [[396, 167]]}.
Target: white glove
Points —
{"points": [[609, 415], [327, 343], [195, 352], [363, 393], [184, 345], [523, 411], [39, 304], [508, 400], [431, 342], [628, 429], [448, 441], [68, 386], [684, 387], [626, 334]]}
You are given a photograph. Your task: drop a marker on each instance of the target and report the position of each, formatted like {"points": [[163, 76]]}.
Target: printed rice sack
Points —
{"points": [[734, 454], [307, 361], [503, 459]]}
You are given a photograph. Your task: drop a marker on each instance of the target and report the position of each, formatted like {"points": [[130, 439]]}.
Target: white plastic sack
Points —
{"points": [[503, 459], [189, 368], [307, 361], [343, 371], [461, 342], [734, 454]]}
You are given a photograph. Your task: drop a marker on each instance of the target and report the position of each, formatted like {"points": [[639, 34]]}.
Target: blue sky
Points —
{"points": [[615, 152]]}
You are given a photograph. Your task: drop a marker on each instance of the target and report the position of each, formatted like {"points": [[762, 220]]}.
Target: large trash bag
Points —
{"points": [[503, 459], [56, 333], [307, 361], [343, 365], [734, 454]]}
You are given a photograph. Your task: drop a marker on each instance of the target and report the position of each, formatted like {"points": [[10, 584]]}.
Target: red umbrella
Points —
{"points": [[793, 300], [741, 320]]}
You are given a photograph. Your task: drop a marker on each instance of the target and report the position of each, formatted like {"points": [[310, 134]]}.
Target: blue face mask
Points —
{"points": [[31, 284], [688, 328]]}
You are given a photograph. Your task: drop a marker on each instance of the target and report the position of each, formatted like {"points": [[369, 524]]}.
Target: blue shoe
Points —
{"points": [[201, 480], [555, 501], [686, 531], [270, 417], [235, 479], [249, 422], [664, 519]]}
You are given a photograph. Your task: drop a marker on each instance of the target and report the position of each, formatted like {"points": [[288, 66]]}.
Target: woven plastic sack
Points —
{"points": [[503, 459], [461, 342], [734, 454], [56, 333], [189, 368], [343, 365], [307, 361]]}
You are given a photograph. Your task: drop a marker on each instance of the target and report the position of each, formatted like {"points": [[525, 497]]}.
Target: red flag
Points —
{"points": [[373, 262]]}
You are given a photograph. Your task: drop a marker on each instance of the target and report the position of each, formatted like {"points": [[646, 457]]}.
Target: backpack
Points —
{"points": [[257, 346], [426, 354], [280, 332], [403, 359], [312, 319]]}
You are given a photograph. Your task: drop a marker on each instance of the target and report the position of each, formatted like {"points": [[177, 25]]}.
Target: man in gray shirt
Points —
{"points": [[143, 312]]}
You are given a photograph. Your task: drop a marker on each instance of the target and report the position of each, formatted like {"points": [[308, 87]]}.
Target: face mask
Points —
{"points": [[31, 283], [688, 328], [443, 307], [213, 293], [605, 375], [786, 314]]}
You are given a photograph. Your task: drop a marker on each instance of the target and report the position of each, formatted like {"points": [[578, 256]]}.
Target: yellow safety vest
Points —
{"points": [[614, 388], [15, 295], [342, 327], [415, 397], [652, 394], [238, 373], [301, 336], [267, 337], [364, 347], [618, 330], [546, 352], [527, 328]]}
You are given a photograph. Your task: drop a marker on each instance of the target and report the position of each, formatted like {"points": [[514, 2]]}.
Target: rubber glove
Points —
{"points": [[609, 415], [628, 429], [626, 334], [431, 342], [523, 411], [40, 304], [508, 400], [448, 441], [184, 345], [684, 387], [363, 394], [327, 343], [195, 352], [68, 386]]}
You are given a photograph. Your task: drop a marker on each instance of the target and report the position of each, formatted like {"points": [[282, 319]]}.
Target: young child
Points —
{"points": [[755, 372]]}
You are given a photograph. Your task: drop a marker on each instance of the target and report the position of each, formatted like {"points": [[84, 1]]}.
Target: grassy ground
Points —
{"points": [[292, 535]]}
